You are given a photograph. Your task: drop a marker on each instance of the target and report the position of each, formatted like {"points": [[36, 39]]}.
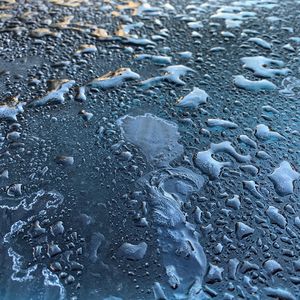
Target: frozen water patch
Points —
{"points": [[276, 217], [182, 254], [261, 42], [283, 179], [56, 95], [279, 293], [156, 137], [208, 165], [54, 199], [20, 274], [291, 86], [156, 59], [51, 279], [138, 41], [133, 251], [13, 230], [193, 99], [253, 86], [233, 16], [11, 110], [221, 123], [172, 75], [261, 66], [263, 132], [114, 78]]}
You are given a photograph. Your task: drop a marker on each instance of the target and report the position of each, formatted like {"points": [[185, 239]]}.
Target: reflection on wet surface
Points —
{"points": [[149, 149]]}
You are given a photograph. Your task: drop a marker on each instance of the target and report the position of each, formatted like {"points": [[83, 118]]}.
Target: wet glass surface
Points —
{"points": [[150, 149]]}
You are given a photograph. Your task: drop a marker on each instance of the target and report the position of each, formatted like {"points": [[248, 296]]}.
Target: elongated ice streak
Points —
{"points": [[182, 254]]}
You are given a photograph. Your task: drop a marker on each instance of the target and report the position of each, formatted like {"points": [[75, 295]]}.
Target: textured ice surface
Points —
{"points": [[156, 137], [137, 184], [183, 257]]}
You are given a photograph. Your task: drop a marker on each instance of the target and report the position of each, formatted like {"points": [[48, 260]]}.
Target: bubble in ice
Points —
{"points": [[234, 202], [193, 99], [255, 86], [272, 267], [283, 178], [185, 55], [114, 78], [157, 138], [56, 95], [215, 274], [252, 187], [261, 66]]}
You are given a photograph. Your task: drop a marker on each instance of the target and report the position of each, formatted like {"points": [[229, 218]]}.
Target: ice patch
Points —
{"points": [[172, 75], [56, 95], [260, 65], [283, 179], [255, 86], [114, 78], [156, 137], [193, 99], [208, 165]]}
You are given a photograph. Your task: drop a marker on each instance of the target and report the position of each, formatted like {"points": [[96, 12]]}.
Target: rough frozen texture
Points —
{"points": [[156, 137], [182, 254]]}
